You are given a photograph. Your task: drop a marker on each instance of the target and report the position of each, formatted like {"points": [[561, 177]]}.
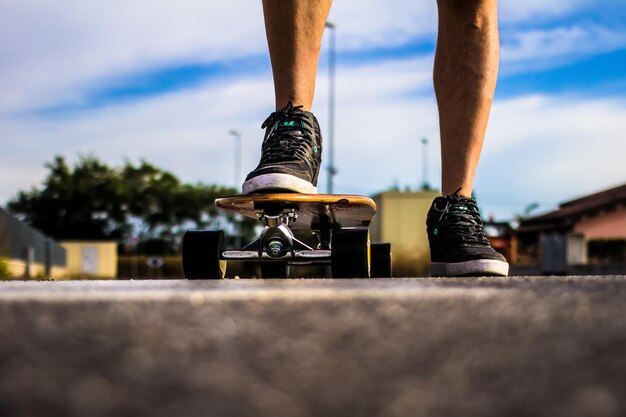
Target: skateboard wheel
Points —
{"points": [[275, 269], [381, 260], [350, 253], [201, 254]]}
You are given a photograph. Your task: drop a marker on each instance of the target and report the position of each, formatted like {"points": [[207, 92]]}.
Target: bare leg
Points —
{"points": [[294, 33], [465, 73]]}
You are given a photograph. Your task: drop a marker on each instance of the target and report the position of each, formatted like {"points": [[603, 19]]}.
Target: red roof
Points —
{"points": [[570, 212]]}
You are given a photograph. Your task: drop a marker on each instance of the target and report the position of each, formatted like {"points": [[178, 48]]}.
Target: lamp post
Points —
{"points": [[332, 171], [425, 185], [237, 136]]}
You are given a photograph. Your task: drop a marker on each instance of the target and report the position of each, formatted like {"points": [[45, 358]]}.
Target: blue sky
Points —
{"points": [[168, 82]]}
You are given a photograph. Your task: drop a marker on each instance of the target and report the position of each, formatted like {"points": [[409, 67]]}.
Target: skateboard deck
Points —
{"points": [[314, 211]]}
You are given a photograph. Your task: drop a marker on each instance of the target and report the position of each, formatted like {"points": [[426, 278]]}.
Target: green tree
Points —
{"points": [[78, 203], [135, 202]]}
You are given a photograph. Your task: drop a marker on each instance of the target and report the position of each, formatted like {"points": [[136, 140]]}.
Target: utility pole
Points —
{"points": [[332, 171], [237, 136], [425, 184]]}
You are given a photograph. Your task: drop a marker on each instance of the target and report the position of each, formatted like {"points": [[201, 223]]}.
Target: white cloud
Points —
{"points": [[373, 24], [534, 10], [552, 148], [53, 52], [548, 48]]}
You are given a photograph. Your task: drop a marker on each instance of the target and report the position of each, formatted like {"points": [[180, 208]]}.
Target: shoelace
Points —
{"points": [[462, 218], [287, 141]]}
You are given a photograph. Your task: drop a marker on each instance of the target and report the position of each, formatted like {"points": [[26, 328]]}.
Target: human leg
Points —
{"points": [[294, 33], [465, 73], [466, 68], [292, 147]]}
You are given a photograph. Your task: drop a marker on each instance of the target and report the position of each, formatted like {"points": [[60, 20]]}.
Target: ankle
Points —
{"points": [[303, 105], [465, 192]]}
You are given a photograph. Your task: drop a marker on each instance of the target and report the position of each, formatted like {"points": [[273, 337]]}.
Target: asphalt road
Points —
{"points": [[401, 347]]}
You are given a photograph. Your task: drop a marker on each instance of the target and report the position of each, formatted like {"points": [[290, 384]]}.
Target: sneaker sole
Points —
{"points": [[278, 181], [480, 267]]}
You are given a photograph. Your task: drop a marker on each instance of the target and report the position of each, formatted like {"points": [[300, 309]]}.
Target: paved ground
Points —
{"points": [[402, 347]]}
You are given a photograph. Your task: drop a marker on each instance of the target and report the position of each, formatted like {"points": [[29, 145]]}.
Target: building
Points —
{"points": [[91, 259], [502, 238], [401, 220], [575, 234], [28, 252]]}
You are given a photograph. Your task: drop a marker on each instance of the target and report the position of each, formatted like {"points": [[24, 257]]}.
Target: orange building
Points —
{"points": [[587, 230]]}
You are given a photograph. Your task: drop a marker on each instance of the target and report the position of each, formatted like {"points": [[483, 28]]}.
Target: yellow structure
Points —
{"points": [[401, 220], [19, 269], [91, 258], [26, 253]]}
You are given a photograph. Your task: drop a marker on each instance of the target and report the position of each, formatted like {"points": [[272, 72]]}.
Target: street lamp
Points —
{"points": [[425, 185], [237, 136], [332, 171]]}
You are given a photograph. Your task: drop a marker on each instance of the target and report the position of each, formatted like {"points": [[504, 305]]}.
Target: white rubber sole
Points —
{"points": [[281, 181], [488, 267]]}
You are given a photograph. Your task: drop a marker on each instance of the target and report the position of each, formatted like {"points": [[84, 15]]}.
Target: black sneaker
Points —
{"points": [[291, 154], [458, 245]]}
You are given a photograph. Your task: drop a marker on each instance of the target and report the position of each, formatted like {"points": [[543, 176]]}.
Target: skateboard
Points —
{"points": [[339, 222]]}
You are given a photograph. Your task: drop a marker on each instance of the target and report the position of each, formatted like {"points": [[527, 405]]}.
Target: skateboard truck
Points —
{"points": [[276, 241]]}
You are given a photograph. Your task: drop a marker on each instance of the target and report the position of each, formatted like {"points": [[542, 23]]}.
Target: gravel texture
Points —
{"points": [[546, 346]]}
